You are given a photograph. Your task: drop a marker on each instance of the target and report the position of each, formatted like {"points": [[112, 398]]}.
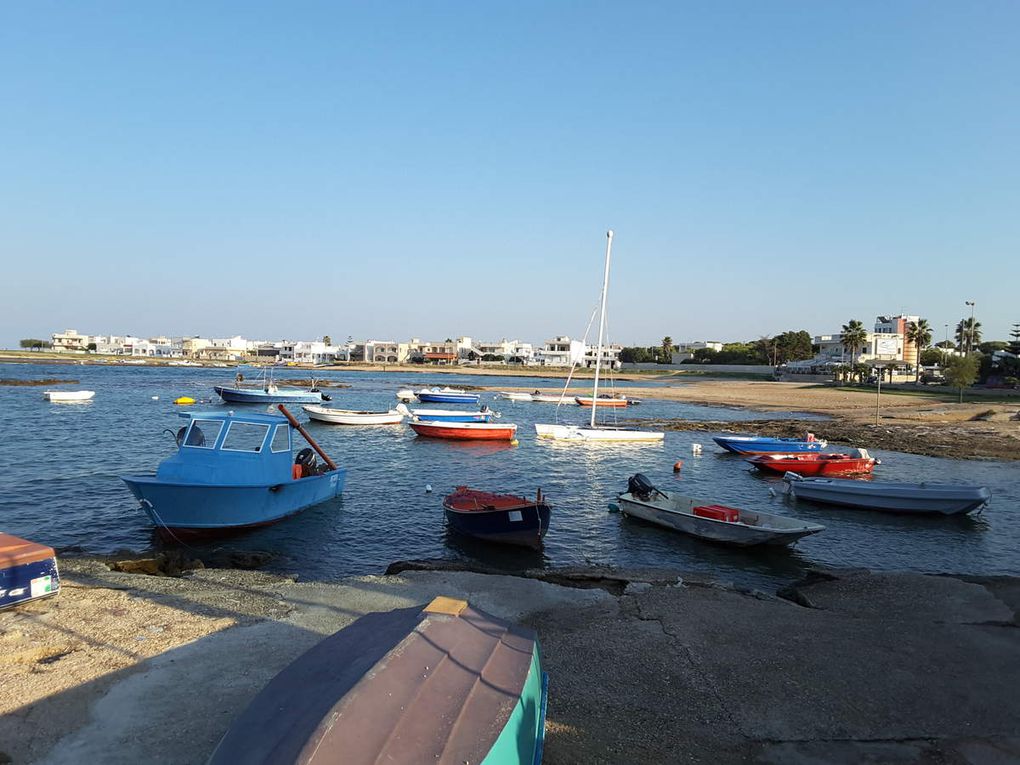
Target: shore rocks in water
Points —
{"points": [[177, 563]]}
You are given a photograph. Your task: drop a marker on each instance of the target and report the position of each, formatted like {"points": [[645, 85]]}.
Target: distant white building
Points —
{"points": [[560, 351], [610, 356], [70, 340], [506, 350], [685, 351]]}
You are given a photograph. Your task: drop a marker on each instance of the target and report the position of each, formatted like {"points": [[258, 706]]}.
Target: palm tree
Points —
{"points": [[919, 333], [853, 337], [968, 334], [667, 349]]}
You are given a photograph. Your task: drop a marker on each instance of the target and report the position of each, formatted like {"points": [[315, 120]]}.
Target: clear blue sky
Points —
{"points": [[389, 169]]}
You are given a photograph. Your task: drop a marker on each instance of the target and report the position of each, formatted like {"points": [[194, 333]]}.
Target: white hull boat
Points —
{"points": [[544, 398], [350, 417], [601, 434], [677, 512], [944, 499], [68, 396], [514, 396], [594, 432], [406, 395]]}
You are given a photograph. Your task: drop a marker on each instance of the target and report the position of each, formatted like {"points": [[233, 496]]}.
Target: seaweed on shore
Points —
{"points": [[37, 381]]}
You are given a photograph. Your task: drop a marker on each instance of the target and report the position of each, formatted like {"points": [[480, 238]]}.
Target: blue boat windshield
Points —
{"points": [[244, 437], [203, 434], [281, 438]]}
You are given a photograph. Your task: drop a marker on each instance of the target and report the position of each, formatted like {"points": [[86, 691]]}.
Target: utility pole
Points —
{"points": [[970, 329]]}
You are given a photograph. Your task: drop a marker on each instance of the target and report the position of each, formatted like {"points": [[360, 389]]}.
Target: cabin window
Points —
{"points": [[281, 439], [244, 437], [203, 433]]}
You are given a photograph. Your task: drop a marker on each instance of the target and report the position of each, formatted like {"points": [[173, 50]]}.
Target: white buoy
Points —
{"points": [[428, 488], [695, 448], [155, 398]]}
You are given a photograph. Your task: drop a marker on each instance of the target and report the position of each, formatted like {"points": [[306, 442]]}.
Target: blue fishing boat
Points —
{"points": [[449, 415], [446, 396], [268, 395], [265, 391], [766, 445], [234, 471]]}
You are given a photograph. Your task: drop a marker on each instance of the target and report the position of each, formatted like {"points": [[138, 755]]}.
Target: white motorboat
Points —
{"points": [[406, 395], [514, 396], [594, 432], [545, 398], [940, 498], [601, 433], [350, 417], [706, 520], [68, 396]]}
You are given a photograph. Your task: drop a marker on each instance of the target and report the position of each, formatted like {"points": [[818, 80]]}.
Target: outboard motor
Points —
{"points": [[639, 485]]}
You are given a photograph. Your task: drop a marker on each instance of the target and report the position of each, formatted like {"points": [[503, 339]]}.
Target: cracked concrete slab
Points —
{"points": [[657, 673]]}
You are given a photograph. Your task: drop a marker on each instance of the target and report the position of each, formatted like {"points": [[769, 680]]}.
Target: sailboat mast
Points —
{"points": [[602, 326]]}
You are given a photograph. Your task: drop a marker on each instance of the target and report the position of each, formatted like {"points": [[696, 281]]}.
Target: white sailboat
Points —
{"points": [[597, 432]]}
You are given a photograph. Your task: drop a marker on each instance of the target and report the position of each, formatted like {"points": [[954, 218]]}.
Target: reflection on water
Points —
{"points": [[60, 464]]}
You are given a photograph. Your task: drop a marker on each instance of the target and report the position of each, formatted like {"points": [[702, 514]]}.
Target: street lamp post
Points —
{"points": [[970, 328]]}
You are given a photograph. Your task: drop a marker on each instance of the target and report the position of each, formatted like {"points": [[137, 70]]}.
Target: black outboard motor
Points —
{"points": [[639, 485]]}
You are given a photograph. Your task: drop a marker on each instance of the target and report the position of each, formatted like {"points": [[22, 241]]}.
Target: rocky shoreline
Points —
{"points": [[644, 666], [968, 440]]}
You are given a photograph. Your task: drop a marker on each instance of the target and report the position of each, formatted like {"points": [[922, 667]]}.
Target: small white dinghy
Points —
{"points": [[514, 396], [351, 417], [406, 395], [706, 520], [68, 396], [939, 498]]}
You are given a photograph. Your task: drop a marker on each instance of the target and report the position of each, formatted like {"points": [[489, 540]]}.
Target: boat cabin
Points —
{"points": [[229, 448]]}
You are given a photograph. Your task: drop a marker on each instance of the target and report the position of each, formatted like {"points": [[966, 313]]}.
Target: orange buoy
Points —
{"points": [[677, 465], [296, 472]]}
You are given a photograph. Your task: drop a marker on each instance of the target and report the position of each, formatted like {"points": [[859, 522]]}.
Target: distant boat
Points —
{"points": [[465, 431], [502, 518], [514, 396], [406, 395], [231, 472], [767, 445], [445, 683], [68, 396], [350, 417], [594, 432], [610, 401], [265, 391], [544, 398], [706, 520], [944, 499], [449, 415], [816, 463], [446, 396]]}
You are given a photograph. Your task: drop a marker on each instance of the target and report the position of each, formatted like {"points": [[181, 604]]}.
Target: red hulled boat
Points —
{"points": [[602, 401], [816, 463], [498, 517], [465, 431]]}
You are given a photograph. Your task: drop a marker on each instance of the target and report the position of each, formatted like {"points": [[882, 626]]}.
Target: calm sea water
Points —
{"points": [[59, 465]]}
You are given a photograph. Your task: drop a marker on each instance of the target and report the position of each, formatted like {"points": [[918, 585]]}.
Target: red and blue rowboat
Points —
{"points": [[502, 518], [465, 431]]}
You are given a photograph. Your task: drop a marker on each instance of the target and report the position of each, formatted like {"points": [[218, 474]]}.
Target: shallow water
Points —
{"points": [[59, 465]]}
